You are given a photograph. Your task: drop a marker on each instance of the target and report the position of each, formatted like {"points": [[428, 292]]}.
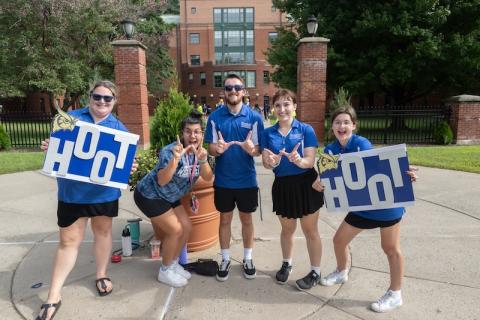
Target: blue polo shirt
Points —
{"points": [[178, 186], [355, 144], [274, 141], [234, 169], [71, 191]]}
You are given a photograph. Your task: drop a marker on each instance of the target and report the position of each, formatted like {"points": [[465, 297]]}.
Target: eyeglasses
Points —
{"points": [[237, 87], [339, 123], [193, 133], [99, 97]]}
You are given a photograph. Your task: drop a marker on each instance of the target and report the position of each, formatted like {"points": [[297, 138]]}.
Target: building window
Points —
{"points": [[195, 60], [266, 77], [217, 15], [249, 15], [250, 79], [203, 78], [194, 38], [217, 80], [272, 36], [193, 10], [190, 79]]}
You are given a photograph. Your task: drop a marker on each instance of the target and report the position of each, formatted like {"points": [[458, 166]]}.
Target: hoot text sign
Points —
{"points": [[90, 153], [366, 180]]}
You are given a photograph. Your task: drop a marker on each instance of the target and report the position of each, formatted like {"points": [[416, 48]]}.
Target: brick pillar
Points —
{"points": [[465, 118], [312, 83], [131, 80]]}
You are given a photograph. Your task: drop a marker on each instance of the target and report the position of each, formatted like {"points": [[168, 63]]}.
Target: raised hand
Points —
{"points": [[411, 172], [293, 156], [178, 150], [272, 159], [247, 144], [221, 145], [44, 145], [200, 152]]}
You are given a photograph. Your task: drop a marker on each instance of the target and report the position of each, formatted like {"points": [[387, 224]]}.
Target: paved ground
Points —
{"points": [[440, 240]]}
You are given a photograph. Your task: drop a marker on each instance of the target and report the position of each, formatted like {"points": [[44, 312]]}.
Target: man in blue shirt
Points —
{"points": [[233, 136]]}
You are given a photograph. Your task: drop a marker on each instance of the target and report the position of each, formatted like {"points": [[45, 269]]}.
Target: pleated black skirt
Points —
{"points": [[293, 196]]}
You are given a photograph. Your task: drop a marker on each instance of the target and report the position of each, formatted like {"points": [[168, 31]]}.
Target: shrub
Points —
{"points": [[341, 98], [167, 118], [146, 161], [443, 134], [4, 139]]}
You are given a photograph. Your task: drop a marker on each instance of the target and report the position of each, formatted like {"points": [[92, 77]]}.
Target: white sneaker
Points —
{"points": [[387, 302], [170, 277], [336, 277], [179, 270]]}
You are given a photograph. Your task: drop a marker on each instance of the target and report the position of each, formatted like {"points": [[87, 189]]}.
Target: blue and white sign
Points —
{"points": [[367, 180], [91, 153]]}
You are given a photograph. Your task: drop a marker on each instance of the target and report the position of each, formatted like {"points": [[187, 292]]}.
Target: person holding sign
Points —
{"points": [[344, 123], [78, 201], [158, 195], [233, 135], [289, 148]]}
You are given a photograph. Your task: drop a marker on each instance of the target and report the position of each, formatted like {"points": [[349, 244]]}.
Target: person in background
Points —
{"points": [[78, 201], [158, 195], [289, 148], [232, 135], [344, 124]]}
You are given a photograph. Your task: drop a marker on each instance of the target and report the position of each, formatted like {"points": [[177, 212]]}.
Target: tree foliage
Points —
{"points": [[405, 49], [60, 46], [283, 55]]}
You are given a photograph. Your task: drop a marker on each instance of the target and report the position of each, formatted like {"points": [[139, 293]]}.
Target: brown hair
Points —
{"points": [[233, 76], [347, 109], [107, 84], [284, 93]]}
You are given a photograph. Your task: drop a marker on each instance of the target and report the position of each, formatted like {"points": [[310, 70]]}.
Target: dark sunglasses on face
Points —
{"points": [[237, 87], [98, 97]]}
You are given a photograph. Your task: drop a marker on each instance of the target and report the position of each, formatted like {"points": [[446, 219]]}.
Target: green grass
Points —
{"points": [[16, 161], [460, 158]]}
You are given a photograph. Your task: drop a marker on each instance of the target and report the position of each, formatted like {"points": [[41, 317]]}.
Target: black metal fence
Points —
{"points": [[26, 130], [397, 124]]}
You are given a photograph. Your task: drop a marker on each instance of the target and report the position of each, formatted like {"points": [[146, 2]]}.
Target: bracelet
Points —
{"points": [[202, 161]]}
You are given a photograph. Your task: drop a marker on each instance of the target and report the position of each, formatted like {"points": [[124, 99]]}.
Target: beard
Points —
{"points": [[234, 99]]}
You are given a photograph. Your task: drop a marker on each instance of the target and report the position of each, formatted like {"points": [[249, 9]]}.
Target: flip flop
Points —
{"points": [[103, 285], [46, 306]]}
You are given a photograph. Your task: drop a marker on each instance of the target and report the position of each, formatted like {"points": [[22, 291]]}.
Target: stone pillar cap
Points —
{"points": [[128, 43], [463, 98], [313, 39]]}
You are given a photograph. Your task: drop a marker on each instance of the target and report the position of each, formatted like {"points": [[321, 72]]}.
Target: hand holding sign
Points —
{"points": [[293, 156]]}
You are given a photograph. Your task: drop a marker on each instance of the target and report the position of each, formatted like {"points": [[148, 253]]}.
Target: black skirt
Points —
{"points": [[293, 196], [68, 213]]}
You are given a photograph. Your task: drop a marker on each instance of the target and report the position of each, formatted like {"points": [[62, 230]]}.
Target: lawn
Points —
{"points": [[14, 161]]}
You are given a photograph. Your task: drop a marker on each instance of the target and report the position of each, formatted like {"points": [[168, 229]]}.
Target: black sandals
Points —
{"points": [[103, 285], [45, 307]]}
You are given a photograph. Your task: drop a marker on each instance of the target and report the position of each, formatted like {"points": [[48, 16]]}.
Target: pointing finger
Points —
{"points": [[178, 140], [220, 135], [249, 135], [296, 147], [283, 153]]}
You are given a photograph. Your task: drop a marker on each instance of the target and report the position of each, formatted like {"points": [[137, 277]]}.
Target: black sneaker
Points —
{"points": [[223, 269], [283, 273], [309, 281], [249, 269]]}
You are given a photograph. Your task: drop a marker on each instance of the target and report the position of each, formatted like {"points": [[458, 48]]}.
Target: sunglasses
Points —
{"points": [[237, 88], [98, 97]]}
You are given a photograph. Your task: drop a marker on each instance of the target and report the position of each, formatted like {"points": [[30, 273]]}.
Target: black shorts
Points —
{"points": [[68, 213], [246, 200], [364, 223], [153, 207]]}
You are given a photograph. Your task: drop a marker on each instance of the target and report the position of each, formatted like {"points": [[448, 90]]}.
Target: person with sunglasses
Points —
{"points": [[232, 135], [78, 201], [158, 195], [289, 148]]}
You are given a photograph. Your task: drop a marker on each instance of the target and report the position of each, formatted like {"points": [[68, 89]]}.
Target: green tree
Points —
{"points": [[60, 46], [404, 49], [283, 55]]}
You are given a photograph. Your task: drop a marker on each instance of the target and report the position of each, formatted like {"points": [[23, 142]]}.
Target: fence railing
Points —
{"points": [[397, 124], [26, 130]]}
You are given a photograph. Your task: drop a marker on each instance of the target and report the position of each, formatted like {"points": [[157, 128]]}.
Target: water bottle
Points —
{"points": [[126, 243]]}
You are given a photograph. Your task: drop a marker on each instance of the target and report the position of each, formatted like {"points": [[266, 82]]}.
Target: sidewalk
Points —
{"points": [[440, 240]]}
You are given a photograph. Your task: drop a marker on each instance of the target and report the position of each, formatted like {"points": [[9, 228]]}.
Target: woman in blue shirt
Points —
{"points": [[344, 122], [78, 201], [289, 149], [158, 195]]}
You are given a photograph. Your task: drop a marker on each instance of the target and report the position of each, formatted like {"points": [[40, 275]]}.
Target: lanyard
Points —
{"points": [[194, 168]]}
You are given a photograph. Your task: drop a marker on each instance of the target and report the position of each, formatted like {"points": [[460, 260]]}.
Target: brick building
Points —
{"points": [[215, 38]]}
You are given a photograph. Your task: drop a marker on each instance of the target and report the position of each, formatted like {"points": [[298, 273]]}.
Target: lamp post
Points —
{"points": [[128, 27], [312, 25]]}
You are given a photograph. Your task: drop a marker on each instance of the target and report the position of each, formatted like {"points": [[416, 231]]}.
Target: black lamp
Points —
{"points": [[312, 25], [128, 27]]}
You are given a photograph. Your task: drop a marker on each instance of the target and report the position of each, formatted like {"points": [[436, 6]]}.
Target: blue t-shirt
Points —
{"points": [[355, 144], [234, 169], [178, 186], [71, 191], [274, 141]]}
